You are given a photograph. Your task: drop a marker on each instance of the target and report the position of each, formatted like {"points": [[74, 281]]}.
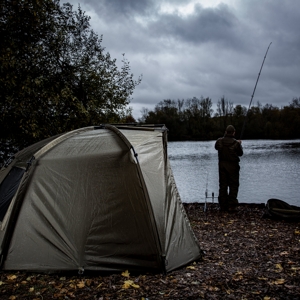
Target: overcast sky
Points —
{"points": [[209, 48]]}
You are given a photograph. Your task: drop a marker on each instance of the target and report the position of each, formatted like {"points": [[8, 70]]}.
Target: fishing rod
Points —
{"points": [[243, 128], [206, 192], [206, 196]]}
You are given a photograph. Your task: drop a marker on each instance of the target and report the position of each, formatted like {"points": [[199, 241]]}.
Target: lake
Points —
{"points": [[269, 169]]}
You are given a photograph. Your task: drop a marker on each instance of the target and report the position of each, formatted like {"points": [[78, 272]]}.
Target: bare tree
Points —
{"points": [[224, 107]]}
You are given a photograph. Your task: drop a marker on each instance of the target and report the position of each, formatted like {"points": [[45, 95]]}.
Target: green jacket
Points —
{"points": [[229, 149]]}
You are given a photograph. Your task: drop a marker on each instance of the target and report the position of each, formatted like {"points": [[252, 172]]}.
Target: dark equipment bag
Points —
{"points": [[280, 210]]}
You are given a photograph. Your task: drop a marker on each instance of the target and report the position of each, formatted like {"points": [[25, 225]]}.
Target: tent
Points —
{"points": [[97, 198]]}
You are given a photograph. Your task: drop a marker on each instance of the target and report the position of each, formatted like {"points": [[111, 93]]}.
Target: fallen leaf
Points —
{"points": [[238, 276], [31, 290], [191, 267], [284, 253], [88, 282], [262, 278], [279, 281], [256, 292], [59, 286], [11, 277], [290, 287], [129, 283], [81, 284], [99, 285], [279, 267], [125, 274], [57, 295], [213, 288]]}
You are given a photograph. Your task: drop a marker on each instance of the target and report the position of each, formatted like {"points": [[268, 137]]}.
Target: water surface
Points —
{"points": [[269, 169]]}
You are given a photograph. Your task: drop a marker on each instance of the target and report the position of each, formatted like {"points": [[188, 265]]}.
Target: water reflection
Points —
{"points": [[269, 169]]}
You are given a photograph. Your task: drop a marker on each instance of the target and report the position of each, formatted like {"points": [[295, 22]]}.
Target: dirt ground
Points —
{"points": [[247, 256]]}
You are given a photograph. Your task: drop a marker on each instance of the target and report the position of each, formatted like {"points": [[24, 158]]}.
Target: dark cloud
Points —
{"points": [[121, 9], [204, 25], [198, 50]]}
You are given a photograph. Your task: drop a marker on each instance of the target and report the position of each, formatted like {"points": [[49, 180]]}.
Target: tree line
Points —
{"points": [[55, 75], [194, 119]]}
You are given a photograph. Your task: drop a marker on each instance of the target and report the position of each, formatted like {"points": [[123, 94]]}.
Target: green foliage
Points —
{"points": [[192, 119], [54, 74], [182, 118]]}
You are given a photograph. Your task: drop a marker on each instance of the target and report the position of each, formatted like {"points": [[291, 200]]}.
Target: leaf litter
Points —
{"points": [[246, 256]]}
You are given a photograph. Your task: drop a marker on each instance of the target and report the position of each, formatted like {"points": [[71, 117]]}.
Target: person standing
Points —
{"points": [[229, 151]]}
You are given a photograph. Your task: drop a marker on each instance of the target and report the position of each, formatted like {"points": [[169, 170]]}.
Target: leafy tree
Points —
{"points": [[192, 119], [192, 115], [168, 112], [254, 123], [54, 74], [290, 117], [239, 111], [198, 113]]}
